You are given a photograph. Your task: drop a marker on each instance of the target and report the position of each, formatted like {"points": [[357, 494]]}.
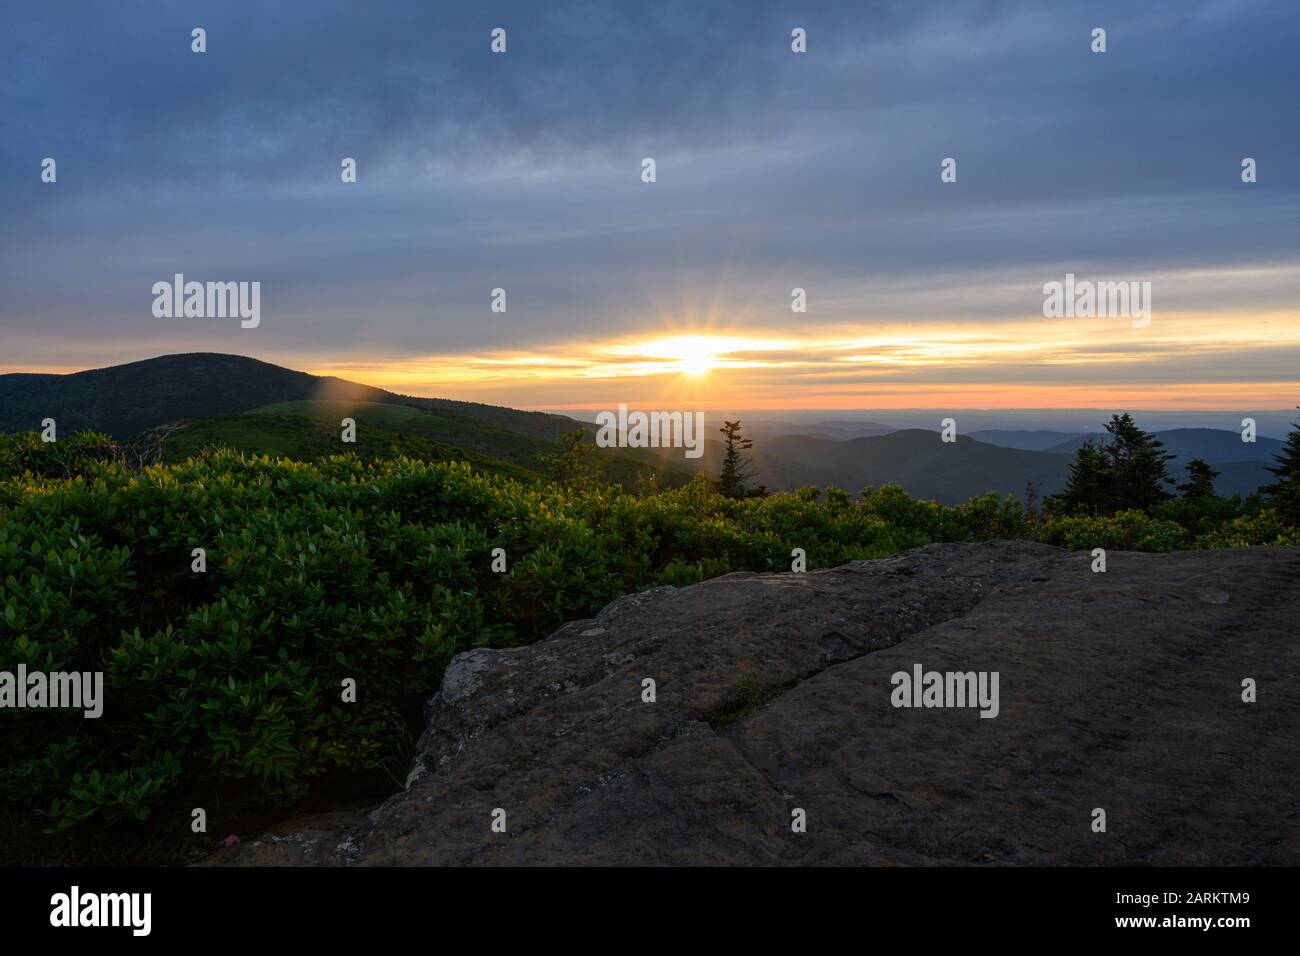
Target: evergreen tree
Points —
{"points": [[1284, 493], [1087, 491], [1127, 473], [1200, 480], [735, 467], [1137, 466]]}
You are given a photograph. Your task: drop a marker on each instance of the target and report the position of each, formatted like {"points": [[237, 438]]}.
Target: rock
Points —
{"points": [[1119, 690], [303, 841]]}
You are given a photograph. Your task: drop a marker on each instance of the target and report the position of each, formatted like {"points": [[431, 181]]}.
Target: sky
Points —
{"points": [[775, 170]]}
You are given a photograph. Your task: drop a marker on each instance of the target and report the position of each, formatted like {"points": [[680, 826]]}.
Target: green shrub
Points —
{"points": [[26, 453], [223, 688], [1124, 531], [1263, 528]]}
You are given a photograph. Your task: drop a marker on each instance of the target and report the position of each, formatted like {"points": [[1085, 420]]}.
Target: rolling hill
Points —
{"points": [[122, 400], [479, 436], [306, 430], [261, 408]]}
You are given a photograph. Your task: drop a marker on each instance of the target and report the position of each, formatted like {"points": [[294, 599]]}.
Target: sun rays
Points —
{"points": [[1019, 362]]}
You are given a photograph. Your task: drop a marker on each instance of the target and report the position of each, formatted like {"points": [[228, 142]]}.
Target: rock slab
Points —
{"points": [[1119, 690]]}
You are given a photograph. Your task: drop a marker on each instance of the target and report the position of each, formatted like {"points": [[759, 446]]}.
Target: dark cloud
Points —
{"points": [[522, 170]]}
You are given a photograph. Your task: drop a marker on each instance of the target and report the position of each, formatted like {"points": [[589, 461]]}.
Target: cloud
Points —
{"points": [[522, 171]]}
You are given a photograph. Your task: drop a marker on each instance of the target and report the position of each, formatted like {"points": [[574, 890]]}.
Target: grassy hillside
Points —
{"points": [[479, 437], [307, 430], [535, 424], [305, 439]]}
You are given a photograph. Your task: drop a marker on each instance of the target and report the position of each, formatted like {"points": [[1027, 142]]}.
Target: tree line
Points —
{"points": [[1128, 473]]}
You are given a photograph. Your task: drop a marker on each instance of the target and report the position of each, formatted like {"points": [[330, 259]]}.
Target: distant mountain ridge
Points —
{"points": [[927, 467], [1028, 439], [1213, 445], [919, 460]]}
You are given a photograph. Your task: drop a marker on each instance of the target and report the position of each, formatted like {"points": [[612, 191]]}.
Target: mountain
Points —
{"points": [[951, 473], [1214, 445], [759, 426], [261, 408], [1235, 477], [1033, 440], [919, 460], [845, 429], [122, 400]]}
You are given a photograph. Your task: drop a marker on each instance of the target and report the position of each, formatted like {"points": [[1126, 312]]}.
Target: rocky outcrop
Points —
{"points": [[1120, 691]]}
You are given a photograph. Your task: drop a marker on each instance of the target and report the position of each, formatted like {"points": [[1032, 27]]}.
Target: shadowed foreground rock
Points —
{"points": [[1119, 690]]}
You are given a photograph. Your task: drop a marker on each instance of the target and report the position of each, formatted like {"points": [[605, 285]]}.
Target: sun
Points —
{"points": [[686, 356], [697, 361], [691, 355]]}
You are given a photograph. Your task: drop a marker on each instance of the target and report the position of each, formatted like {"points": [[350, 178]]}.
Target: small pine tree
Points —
{"points": [[1200, 480], [1032, 489], [1087, 491], [1284, 494], [735, 467], [572, 468]]}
